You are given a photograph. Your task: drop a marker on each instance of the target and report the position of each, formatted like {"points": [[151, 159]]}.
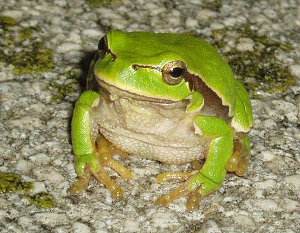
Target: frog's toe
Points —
{"points": [[181, 191], [80, 184], [125, 173], [84, 165], [195, 187], [193, 200], [179, 176], [193, 197], [239, 161], [166, 199], [109, 183], [242, 166]]}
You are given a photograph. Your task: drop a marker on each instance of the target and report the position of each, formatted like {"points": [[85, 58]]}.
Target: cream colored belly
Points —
{"points": [[153, 131]]}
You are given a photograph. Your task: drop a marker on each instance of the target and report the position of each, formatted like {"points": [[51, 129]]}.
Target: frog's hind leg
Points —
{"points": [[105, 151], [239, 161]]}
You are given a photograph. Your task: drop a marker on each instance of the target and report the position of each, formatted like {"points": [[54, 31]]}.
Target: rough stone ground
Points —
{"points": [[36, 108]]}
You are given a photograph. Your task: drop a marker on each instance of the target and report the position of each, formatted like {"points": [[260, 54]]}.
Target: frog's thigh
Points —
{"points": [[239, 161]]}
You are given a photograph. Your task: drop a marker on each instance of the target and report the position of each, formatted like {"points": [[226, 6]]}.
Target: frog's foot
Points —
{"points": [[195, 187], [81, 183], [92, 167], [239, 161], [95, 166], [193, 196], [101, 176]]}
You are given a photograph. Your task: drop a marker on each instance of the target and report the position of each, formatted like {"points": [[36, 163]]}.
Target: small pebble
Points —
{"points": [[190, 22], [131, 226], [67, 47], [79, 227], [40, 158], [17, 15], [293, 180], [295, 70], [291, 205], [91, 33], [244, 220], [164, 220], [38, 187], [269, 123], [266, 204], [49, 175], [100, 227], [210, 227], [267, 184], [24, 166], [205, 14], [245, 44], [50, 219], [267, 156]]}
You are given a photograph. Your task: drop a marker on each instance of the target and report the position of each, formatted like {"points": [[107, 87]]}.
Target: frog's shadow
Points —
{"points": [[85, 66]]}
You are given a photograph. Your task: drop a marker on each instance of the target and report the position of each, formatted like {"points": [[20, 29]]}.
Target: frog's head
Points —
{"points": [[164, 67], [143, 63]]}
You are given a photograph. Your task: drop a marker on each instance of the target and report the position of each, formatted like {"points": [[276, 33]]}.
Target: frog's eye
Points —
{"points": [[173, 72], [102, 45]]}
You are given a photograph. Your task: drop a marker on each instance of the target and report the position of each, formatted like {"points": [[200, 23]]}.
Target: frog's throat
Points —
{"points": [[115, 91]]}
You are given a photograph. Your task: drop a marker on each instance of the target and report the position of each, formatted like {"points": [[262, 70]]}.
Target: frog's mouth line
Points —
{"points": [[116, 92]]}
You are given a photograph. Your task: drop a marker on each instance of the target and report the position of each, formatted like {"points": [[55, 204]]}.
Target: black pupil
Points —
{"points": [[176, 72]]}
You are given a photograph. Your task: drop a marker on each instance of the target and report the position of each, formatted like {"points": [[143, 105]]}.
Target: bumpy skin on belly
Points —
{"points": [[162, 132]]}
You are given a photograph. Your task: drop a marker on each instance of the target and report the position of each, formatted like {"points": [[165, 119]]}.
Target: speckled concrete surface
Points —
{"points": [[36, 105]]}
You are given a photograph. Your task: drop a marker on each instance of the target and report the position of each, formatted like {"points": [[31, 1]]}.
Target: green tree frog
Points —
{"points": [[166, 97]]}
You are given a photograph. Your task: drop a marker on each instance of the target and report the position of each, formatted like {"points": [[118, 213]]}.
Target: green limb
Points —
{"points": [[196, 102], [212, 174], [242, 119], [245, 141], [81, 127]]}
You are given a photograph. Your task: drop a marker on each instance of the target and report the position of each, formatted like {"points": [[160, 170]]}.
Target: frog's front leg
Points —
{"points": [[210, 177], [92, 154]]}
